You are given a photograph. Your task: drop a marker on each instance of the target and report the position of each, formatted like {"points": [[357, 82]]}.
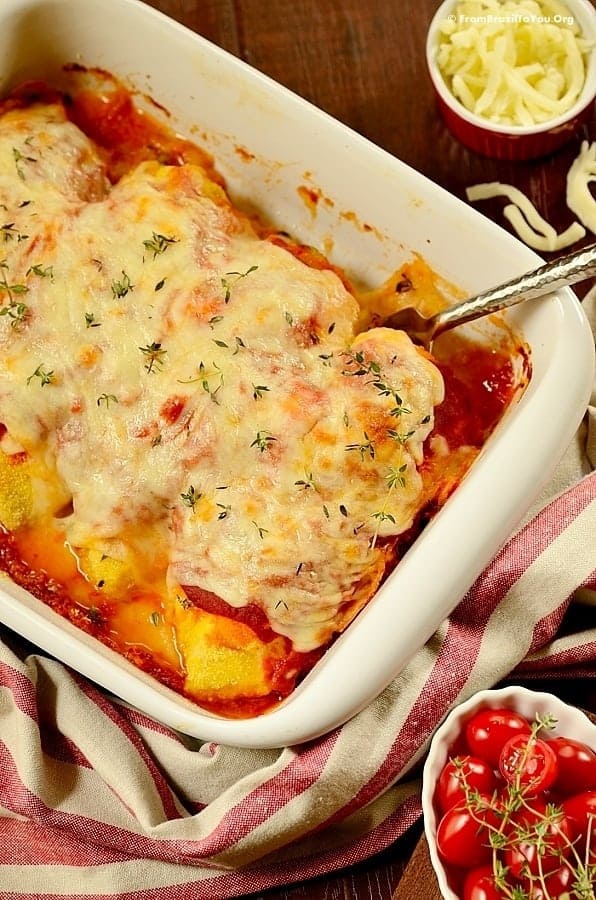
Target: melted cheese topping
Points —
{"points": [[200, 396]]}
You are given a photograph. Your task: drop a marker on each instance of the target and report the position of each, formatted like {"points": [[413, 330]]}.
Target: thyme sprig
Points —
{"points": [[395, 477], [121, 288], [358, 366], [16, 312], [263, 440], [191, 497], [159, 243], [107, 399], [231, 278], [9, 232], [154, 355], [203, 377], [366, 447], [20, 158], [45, 377], [10, 289]]}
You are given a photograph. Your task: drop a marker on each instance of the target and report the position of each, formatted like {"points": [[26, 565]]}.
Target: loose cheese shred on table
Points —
{"points": [[518, 62], [582, 172], [525, 218]]}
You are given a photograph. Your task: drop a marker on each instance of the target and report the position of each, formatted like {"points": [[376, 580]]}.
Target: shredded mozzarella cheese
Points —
{"points": [[517, 62], [582, 172], [525, 218]]}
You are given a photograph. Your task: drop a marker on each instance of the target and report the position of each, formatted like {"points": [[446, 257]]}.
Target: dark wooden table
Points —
{"points": [[363, 61]]}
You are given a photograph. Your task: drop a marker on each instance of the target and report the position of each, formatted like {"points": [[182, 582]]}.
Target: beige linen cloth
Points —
{"points": [[99, 801]]}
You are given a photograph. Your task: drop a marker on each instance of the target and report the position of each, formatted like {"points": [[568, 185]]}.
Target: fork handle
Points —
{"points": [[569, 269]]}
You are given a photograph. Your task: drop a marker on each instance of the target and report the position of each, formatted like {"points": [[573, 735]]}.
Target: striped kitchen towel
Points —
{"points": [[99, 801]]}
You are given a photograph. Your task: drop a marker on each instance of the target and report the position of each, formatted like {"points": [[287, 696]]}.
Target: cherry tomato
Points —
{"points": [[581, 812], [529, 762], [489, 729], [480, 885], [468, 771], [559, 883], [462, 840], [524, 856], [557, 886], [577, 766]]}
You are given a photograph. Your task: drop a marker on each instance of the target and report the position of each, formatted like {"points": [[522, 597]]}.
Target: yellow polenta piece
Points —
{"points": [[224, 658], [104, 572], [16, 495]]}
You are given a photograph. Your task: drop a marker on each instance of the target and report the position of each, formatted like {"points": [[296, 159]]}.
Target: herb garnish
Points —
{"points": [[204, 376], [10, 288], [38, 269], [17, 312], [228, 285], [44, 377], [121, 288], [306, 483], [365, 447], [9, 233], [107, 399], [258, 390], [190, 497], [154, 354], [159, 243], [19, 158], [90, 321], [263, 440]]}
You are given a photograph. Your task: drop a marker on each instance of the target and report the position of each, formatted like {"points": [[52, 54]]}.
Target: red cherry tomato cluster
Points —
{"points": [[517, 811]]}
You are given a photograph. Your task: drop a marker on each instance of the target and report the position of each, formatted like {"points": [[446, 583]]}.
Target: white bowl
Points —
{"points": [[571, 722], [514, 142], [229, 105]]}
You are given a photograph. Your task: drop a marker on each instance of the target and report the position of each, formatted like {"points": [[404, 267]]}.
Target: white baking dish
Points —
{"points": [[225, 105]]}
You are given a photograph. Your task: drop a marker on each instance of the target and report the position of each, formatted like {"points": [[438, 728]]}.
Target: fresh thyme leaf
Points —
{"points": [[90, 321], [154, 354], [121, 288], [10, 289], [19, 158], [366, 447], [263, 440], [16, 312], [107, 399], [258, 390], [159, 285], [44, 376], [190, 497], [227, 285], [9, 233], [401, 437], [306, 483], [159, 243], [39, 270]]}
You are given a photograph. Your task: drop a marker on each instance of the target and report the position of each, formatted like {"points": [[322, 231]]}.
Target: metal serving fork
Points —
{"points": [[577, 266]]}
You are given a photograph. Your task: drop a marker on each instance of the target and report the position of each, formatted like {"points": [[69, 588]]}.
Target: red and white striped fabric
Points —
{"points": [[98, 801]]}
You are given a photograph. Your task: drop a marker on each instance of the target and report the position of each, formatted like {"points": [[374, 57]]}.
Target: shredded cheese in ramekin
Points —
{"points": [[513, 62]]}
